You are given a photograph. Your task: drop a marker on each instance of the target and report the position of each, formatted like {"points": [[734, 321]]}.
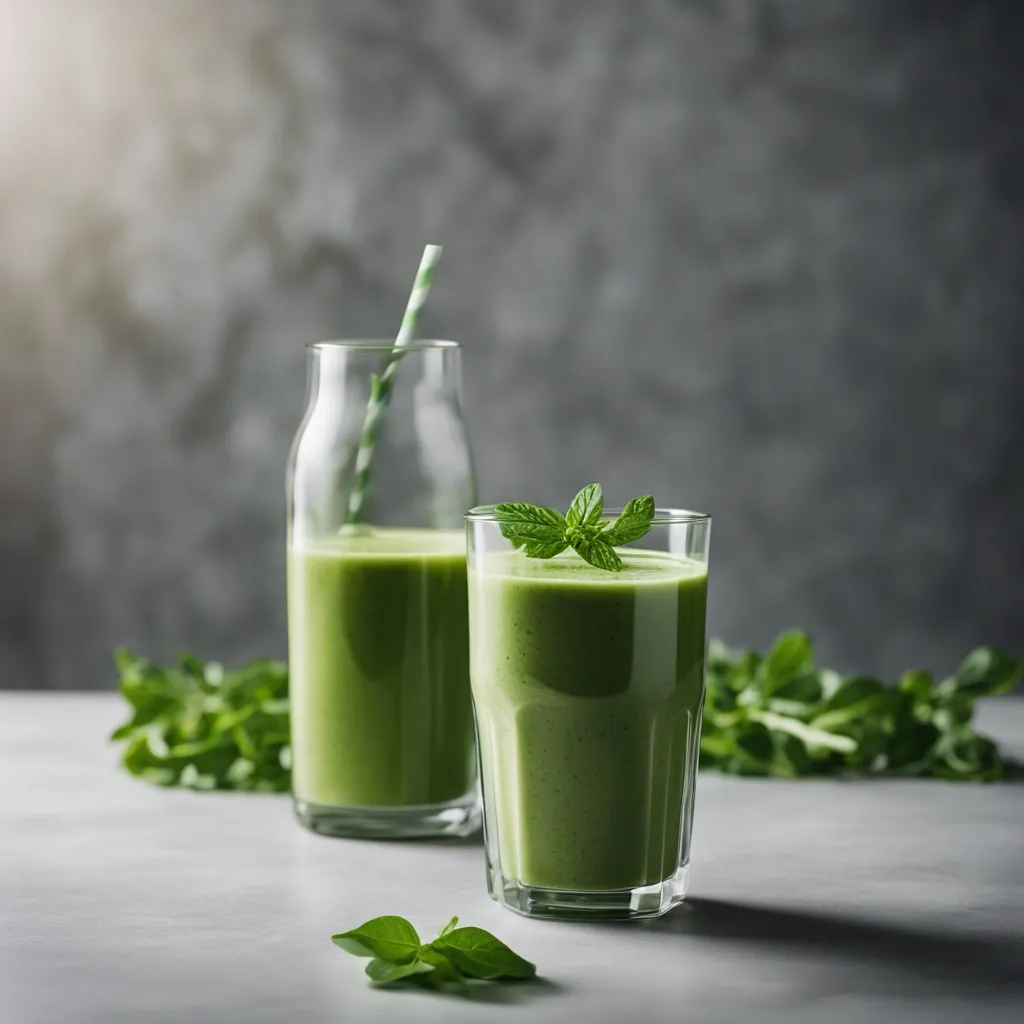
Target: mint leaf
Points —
{"points": [[522, 513], [634, 521], [384, 972], [390, 938], [449, 927], [534, 526], [543, 549], [586, 507], [478, 954], [598, 553]]}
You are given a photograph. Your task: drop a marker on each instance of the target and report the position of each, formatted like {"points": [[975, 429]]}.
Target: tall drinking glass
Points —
{"points": [[382, 728], [587, 689]]}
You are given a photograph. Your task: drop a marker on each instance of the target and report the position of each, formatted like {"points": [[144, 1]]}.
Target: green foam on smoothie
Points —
{"points": [[639, 566]]}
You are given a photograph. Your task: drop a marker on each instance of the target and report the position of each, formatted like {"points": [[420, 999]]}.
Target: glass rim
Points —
{"points": [[662, 516], [382, 345]]}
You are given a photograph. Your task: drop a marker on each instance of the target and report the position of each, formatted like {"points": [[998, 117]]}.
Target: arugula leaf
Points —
{"points": [[543, 533], [455, 955], [390, 938]]}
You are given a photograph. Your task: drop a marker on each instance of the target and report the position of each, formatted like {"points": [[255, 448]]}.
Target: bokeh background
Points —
{"points": [[762, 257]]}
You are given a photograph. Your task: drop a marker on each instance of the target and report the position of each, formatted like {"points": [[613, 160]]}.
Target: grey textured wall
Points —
{"points": [[765, 259]]}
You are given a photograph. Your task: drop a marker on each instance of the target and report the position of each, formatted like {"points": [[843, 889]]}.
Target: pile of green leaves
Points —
{"points": [[456, 956], [201, 727], [779, 715]]}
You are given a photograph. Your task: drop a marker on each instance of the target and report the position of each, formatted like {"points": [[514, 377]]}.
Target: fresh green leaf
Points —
{"points": [[478, 954], [757, 744], [543, 533], [443, 972], [911, 745], [808, 734], [390, 938], [799, 690], [985, 672], [586, 507], [385, 972], [456, 954], [598, 554], [856, 697], [544, 549], [789, 656], [520, 513], [633, 522], [199, 726], [917, 683]]}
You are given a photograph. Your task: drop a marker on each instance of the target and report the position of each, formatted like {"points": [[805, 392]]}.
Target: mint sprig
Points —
{"points": [[455, 956], [542, 532]]}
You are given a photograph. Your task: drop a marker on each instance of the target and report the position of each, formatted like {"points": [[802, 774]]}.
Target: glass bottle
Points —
{"points": [[382, 728]]}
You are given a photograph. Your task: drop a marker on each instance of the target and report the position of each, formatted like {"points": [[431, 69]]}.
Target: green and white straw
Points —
{"points": [[380, 386]]}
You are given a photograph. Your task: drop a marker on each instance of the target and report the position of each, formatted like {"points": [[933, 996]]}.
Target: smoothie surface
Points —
{"points": [[639, 567]]}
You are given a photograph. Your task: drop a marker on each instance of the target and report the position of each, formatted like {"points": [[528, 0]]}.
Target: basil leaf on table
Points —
{"points": [[390, 938], [455, 956]]}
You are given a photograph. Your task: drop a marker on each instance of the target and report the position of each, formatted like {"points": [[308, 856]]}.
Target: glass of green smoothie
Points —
{"points": [[588, 686], [382, 728]]}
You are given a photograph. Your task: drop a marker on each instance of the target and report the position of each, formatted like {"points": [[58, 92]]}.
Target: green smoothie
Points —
{"points": [[379, 648], [588, 688]]}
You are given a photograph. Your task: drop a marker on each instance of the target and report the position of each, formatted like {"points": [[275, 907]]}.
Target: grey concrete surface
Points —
{"points": [[811, 902], [763, 258]]}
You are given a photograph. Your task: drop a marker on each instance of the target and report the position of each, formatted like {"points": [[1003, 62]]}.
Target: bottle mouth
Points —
{"points": [[381, 345], [662, 516]]}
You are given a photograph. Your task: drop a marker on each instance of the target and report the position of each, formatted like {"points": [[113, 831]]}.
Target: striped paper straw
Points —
{"points": [[380, 389]]}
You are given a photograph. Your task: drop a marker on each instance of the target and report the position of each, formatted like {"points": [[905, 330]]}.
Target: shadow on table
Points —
{"points": [[497, 993], [511, 993], [957, 961]]}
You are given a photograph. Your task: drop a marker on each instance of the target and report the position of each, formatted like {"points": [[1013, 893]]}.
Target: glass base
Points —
{"points": [[424, 821], [568, 904]]}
